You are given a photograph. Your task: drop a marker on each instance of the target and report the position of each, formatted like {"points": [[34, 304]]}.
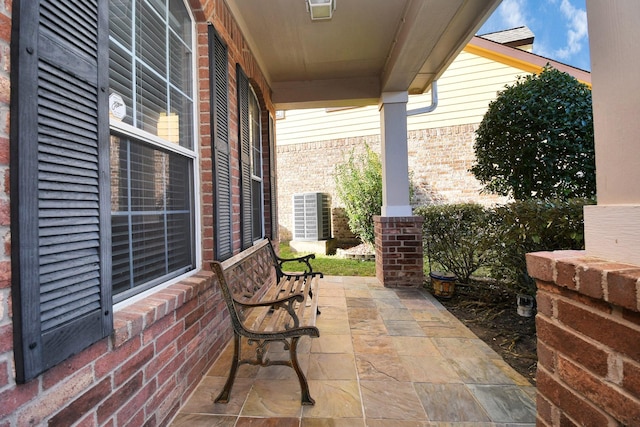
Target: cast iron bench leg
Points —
{"points": [[304, 386], [223, 397]]}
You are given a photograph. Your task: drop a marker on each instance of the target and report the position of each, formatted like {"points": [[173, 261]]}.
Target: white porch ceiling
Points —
{"points": [[368, 47]]}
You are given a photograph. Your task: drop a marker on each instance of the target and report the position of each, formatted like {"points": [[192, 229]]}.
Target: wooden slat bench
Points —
{"points": [[266, 308]]}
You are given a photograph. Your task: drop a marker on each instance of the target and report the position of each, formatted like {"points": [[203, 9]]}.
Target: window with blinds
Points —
{"points": [[255, 137], [152, 143]]}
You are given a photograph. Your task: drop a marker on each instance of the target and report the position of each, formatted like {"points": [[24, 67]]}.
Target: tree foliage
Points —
{"points": [[359, 186], [536, 139]]}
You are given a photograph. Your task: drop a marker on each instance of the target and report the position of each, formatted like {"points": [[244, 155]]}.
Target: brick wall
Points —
{"points": [[164, 343], [588, 327], [340, 225], [160, 349], [307, 168], [6, 311], [399, 254], [439, 160]]}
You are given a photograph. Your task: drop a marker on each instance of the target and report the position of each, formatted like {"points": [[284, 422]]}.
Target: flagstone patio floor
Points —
{"points": [[385, 357]]}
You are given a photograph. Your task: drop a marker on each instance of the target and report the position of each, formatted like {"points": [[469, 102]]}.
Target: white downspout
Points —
{"points": [[430, 108]]}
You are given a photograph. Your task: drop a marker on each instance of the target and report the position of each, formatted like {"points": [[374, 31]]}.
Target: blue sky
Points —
{"points": [[559, 26]]}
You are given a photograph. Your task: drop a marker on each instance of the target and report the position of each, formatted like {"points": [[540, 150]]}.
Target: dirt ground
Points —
{"points": [[490, 312]]}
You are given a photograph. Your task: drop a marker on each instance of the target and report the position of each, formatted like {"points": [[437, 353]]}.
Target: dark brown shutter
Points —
{"points": [[245, 157], [219, 104], [60, 196]]}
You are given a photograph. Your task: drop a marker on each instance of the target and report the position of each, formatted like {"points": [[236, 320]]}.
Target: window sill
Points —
{"points": [[131, 320]]}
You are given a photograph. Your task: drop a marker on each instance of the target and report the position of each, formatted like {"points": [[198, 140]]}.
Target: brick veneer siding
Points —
{"points": [[399, 255], [439, 162], [160, 349], [307, 168], [588, 327], [163, 344], [340, 225]]}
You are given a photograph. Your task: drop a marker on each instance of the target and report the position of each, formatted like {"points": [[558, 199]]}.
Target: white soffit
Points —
{"points": [[366, 48]]}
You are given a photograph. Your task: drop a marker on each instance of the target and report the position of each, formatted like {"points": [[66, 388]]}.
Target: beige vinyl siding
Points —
{"points": [[300, 126], [464, 93]]}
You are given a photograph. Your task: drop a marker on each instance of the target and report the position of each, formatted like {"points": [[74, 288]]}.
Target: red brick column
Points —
{"points": [[399, 256], [588, 327]]}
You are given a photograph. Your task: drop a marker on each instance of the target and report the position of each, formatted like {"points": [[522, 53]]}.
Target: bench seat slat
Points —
{"points": [[280, 319]]}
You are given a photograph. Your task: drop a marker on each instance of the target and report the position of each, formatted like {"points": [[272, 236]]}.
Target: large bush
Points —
{"points": [[530, 226], [456, 237], [536, 139], [359, 186]]}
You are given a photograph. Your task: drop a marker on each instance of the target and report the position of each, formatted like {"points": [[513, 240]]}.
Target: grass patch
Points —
{"points": [[331, 265]]}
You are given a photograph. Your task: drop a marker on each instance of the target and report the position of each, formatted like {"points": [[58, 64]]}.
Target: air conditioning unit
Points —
{"points": [[311, 216]]}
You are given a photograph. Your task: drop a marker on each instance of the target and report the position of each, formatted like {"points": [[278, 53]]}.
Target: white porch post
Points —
{"points": [[398, 235], [612, 227], [395, 162], [596, 297]]}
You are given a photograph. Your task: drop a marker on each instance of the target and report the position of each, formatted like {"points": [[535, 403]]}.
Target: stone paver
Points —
{"points": [[384, 357]]}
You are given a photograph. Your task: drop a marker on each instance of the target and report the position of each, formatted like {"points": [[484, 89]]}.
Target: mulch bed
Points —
{"points": [[490, 312]]}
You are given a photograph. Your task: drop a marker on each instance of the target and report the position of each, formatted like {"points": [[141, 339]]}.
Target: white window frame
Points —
{"points": [[119, 128], [254, 177]]}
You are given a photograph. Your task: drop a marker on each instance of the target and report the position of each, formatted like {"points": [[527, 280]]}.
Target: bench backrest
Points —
{"points": [[246, 277], [248, 272], [235, 316]]}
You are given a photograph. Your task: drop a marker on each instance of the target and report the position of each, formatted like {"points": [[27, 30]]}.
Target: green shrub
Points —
{"points": [[464, 237], [359, 187], [536, 139], [456, 237], [531, 226]]}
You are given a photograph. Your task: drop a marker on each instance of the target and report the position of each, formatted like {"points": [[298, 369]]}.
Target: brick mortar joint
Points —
{"points": [[412, 221], [615, 314], [614, 358], [195, 285], [582, 263]]}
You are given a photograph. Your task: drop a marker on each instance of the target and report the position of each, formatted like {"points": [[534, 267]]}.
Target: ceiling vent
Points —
{"points": [[311, 216]]}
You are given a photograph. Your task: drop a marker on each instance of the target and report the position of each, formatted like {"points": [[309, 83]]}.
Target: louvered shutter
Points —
{"points": [[219, 104], [60, 195], [272, 181], [245, 157]]}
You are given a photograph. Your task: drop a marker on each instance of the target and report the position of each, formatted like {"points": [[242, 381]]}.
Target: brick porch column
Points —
{"points": [[588, 327], [399, 256]]}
